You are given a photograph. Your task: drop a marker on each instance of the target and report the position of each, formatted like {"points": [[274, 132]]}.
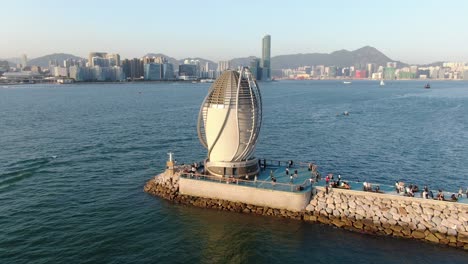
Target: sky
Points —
{"points": [[411, 31]]}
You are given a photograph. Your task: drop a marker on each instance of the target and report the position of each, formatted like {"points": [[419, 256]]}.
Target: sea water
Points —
{"points": [[74, 159]]}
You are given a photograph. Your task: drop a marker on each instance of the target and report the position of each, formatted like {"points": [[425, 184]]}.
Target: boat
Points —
{"points": [[427, 86], [346, 82], [382, 83]]}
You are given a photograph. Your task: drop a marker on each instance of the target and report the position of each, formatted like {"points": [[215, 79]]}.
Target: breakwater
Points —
{"points": [[426, 220]]}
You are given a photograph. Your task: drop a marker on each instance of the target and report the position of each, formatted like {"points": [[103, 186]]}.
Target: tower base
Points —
{"points": [[248, 168]]}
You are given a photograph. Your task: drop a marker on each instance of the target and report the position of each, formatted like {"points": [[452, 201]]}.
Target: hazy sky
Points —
{"points": [[412, 31]]}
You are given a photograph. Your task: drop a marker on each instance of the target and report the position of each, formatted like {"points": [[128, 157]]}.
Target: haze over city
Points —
{"points": [[413, 32]]}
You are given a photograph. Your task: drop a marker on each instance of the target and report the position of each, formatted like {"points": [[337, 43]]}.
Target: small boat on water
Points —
{"points": [[346, 82], [427, 86], [382, 83]]}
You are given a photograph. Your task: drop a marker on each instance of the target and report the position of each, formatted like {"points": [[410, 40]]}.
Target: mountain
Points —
{"points": [[234, 63], [44, 60], [340, 58]]}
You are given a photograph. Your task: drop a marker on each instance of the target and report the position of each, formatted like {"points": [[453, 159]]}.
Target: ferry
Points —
{"points": [[427, 86], [346, 82]]}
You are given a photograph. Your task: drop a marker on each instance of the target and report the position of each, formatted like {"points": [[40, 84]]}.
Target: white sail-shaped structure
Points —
{"points": [[229, 124]]}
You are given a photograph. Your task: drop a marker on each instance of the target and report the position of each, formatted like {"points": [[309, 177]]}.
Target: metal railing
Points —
{"points": [[270, 185]]}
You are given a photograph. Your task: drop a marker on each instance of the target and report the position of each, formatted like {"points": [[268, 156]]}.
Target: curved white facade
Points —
{"points": [[230, 118]]}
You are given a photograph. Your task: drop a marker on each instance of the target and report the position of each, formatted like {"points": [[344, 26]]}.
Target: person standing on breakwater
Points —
{"points": [[424, 194], [440, 196]]}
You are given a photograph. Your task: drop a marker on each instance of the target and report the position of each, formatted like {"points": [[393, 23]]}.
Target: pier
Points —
{"points": [[388, 214]]}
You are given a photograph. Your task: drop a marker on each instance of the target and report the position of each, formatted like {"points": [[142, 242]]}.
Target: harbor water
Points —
{"points": [[74, 159]]}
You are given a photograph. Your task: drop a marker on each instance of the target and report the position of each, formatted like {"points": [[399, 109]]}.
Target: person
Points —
{"points": [[327, 180], [310, 166], [453, 198], [346, 185], [397, 187], [255, 178], [290, 163], [295, 173], [246, 177], [339, 177], [291, 179], [460, 192], [287, 171], [271, 174], [431, 195], [424, 194], [440, 196], [365, 186]]}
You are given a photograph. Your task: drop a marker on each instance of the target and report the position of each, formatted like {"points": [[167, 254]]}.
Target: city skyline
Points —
{"points": [[415, 32]]}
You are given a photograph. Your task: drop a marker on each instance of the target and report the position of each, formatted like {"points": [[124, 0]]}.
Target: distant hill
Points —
{"points": [[44, 60], [339, 58], [241, 61]]}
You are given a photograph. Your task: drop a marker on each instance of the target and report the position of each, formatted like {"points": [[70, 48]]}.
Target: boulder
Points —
{"points": [[418, 234], [432, 238]]}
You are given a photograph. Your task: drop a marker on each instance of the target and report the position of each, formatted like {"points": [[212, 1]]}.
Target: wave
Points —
{"points": [[22, 169]]}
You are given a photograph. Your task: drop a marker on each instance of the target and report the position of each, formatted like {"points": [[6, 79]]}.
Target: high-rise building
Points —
{"points": [[256, 69], [188, 71], [4, 67], [168, 71], [266, 58], [24, 60], [153, 71], [93, 55], [223, 65]]}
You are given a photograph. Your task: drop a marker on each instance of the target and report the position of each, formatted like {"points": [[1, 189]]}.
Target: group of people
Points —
{"points": [[411, 189], [406, 190]]}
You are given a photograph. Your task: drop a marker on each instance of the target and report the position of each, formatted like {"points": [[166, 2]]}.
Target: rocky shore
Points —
{"points": [[430, 221]]}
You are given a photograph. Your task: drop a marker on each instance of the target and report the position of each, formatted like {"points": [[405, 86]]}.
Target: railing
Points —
{"points": [[270, 185]]}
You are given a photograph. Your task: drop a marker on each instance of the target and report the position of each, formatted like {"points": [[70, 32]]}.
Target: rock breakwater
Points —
{"points": [[426, 220]]}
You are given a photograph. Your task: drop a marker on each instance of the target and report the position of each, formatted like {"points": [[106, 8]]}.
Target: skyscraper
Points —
{"points": [[24, 60], [266, 58]]}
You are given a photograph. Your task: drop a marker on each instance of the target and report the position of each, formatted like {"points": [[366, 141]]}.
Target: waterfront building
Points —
{"points": [[188, 71], [360, 74], [60, 71], [4, 67], [256, 69], [266, 58], [133, 69], [153, 71], [332, 71], [370, 67], [377, 76], [167, 71], [389, 73]]}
